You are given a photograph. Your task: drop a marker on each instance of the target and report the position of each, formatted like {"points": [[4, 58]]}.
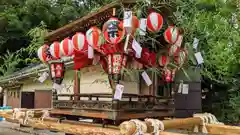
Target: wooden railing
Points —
{"points": [[129, 102]]}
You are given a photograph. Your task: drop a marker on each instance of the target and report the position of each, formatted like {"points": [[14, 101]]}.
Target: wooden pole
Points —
{"points": [[76, 84], [71, 127]]}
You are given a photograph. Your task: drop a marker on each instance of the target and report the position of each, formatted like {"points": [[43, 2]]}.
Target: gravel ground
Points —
{"points": [[7, 128]]}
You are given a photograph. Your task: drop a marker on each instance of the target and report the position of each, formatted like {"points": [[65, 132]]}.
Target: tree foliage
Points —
{"points": [[23, 24], [215, 24]]}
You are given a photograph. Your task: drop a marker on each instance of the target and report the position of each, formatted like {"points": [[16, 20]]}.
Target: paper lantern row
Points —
{"points": [[113, 32]]}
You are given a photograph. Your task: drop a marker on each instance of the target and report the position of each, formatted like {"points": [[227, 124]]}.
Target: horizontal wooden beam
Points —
{"points": [[72, 127], [126, 128]]}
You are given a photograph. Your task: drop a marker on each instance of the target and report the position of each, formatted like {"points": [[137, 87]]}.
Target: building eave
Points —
{"points": [[33, 71]]}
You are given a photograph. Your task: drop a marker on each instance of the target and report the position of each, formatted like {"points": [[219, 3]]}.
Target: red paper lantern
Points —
{"points": [[171, 34], [66, 47], [43, 53], [57, 71], [173, 50], [79, 42], [94, 37], [154, 22], [181, 58], [113, 31], [55, 50], [163, 60]]}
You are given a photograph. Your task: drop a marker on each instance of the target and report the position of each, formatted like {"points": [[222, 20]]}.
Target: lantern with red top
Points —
{"points": [[116, 59]]}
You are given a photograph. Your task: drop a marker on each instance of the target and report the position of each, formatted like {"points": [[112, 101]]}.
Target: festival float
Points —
{"points": [[118, 39]]}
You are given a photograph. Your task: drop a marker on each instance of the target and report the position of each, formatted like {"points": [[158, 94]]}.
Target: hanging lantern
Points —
{"points": [[154, 22], [43, 53], [79, 42], [173, 50], [55, 50], [66, 47], [115, 63], [181, 58], [113, 31], [94, 37], [171, 34], [163, 60], [57, 70]]}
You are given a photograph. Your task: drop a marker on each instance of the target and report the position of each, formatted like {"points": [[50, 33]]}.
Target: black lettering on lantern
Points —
{"points": [[112, 30]]}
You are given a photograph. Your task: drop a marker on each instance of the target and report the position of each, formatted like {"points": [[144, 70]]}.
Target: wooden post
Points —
{"points": [[76, 84]]}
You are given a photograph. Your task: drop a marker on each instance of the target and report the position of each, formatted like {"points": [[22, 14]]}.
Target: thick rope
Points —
{"points": [[140, 127], [158, 126], [204, 121]]}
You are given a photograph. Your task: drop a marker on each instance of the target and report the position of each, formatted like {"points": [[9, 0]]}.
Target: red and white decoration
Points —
{"points": [[171, 34], [55, 50], [173, 50], [42, 53], [163, 60], [181, 58], [116, 62], [113, 31], [94, 37], [66, 47], [79, 42], [154, 22], [167, 75]]}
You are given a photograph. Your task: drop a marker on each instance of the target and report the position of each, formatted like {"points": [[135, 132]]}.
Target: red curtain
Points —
{"points": [[81, 60]]}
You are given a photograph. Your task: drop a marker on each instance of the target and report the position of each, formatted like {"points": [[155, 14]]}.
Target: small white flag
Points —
{"points": [[180, 87], [127, 21], [143, 26], [137, 48], [118, 92], [185, 89], [179, 41], [96, 59], [43, 77], [57, 86], [146, 78], [90, 52], [199, 58], [195, 43]]}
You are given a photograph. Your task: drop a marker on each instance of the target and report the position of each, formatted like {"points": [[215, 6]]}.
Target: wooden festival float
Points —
{"points": [[122, 41]]}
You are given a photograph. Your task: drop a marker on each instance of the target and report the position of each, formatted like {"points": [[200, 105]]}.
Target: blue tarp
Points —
{"points": [[4, 108]]}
